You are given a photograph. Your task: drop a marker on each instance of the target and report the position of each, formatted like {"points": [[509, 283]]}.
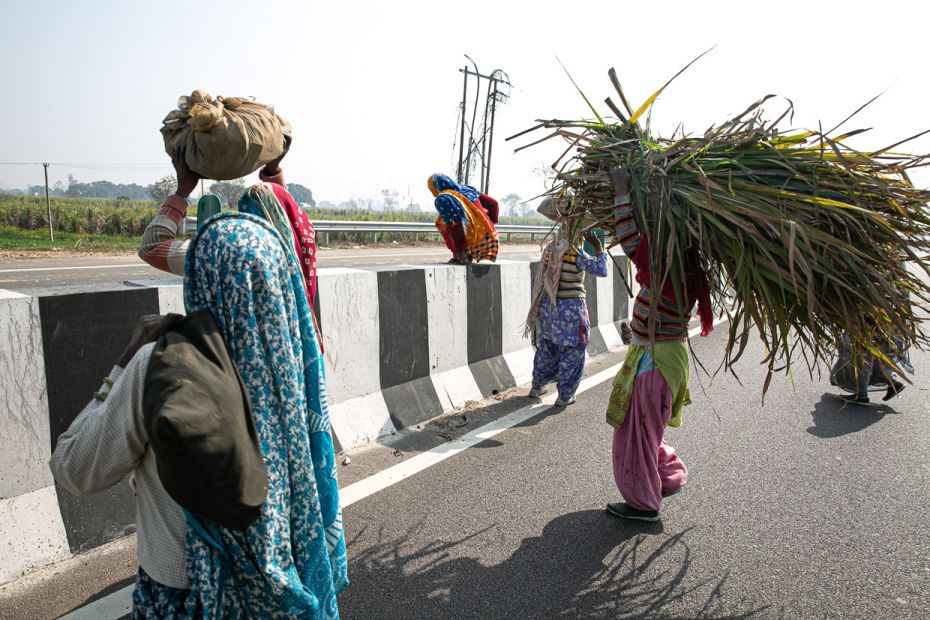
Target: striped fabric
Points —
{"points": [[625, 229], [669, 326], [160, 246], [571, 279]]}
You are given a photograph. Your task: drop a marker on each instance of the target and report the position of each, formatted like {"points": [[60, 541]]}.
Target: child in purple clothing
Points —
{"points": [[559, 315]]}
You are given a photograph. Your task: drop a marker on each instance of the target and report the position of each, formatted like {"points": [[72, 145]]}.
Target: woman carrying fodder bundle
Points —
{"points": [[558, 318], [651, 388], [804, 239]]}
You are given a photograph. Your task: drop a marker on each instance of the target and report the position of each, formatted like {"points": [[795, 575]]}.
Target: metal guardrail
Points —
{"points": [[328, 226]]}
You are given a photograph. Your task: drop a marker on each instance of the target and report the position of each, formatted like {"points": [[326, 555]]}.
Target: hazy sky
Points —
{"points": [[372, 88]]}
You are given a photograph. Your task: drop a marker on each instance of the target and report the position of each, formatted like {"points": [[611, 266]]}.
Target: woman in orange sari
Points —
{"points": [[466, 220]]}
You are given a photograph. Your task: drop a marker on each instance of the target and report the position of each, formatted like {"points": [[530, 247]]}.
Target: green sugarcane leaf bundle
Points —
{"points": [[803, 238]]}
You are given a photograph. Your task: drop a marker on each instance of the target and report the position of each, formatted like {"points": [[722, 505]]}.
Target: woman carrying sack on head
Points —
{"points": [[290, 561], [228, 150], [466, 220]]}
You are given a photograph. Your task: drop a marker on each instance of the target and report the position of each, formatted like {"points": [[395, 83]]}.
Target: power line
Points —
{"points": [[90, 166]]}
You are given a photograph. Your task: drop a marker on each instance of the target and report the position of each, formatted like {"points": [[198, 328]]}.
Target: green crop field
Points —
{"points": [[98, 224]]}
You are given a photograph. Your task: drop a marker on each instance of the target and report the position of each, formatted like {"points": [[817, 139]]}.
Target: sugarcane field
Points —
{"points": [[375, 310]]}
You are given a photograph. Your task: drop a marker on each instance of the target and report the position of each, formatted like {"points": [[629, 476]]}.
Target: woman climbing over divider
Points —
{"points": [[466, 220]]}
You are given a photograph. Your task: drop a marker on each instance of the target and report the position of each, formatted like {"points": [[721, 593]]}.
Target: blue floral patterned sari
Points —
{"points": [[291, 562]]}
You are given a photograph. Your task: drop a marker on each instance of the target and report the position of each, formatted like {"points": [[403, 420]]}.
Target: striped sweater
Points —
{"points": [[669, 325], [571, 278]]}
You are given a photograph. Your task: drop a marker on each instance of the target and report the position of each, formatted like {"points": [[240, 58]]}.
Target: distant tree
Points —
{"points": [[527, 210], [162, 188], [229, 191], [74, 187], [326, 204], [95, 189], [413, 208], [511, 200], [301, 194], [389, 199], [545, 174]]}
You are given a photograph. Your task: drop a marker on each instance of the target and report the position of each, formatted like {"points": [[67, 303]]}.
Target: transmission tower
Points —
{"points": [[476, 139]]}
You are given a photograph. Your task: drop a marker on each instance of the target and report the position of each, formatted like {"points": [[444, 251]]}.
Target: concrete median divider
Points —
{"points": [[402, 346]]}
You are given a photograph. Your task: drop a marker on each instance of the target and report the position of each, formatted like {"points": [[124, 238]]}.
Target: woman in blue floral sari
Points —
{"points": [[291, 562]]}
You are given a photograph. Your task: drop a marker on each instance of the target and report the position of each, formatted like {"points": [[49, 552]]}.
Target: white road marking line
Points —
{"points": [[72, 268], [392, 475], [110, 607], [119, 603], [322, 257]]}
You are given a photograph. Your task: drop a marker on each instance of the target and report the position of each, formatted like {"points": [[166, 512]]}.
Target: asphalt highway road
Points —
{"points": [[801, 508], [796, 509], [42, 276]]}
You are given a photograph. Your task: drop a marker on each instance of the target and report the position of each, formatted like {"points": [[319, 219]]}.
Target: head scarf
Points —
{"points": [[274, 203], [458, 204], [290, 562], [440, 183]]}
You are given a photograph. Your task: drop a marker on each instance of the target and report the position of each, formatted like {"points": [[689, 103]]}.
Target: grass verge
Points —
{"points": [[16, 239]]}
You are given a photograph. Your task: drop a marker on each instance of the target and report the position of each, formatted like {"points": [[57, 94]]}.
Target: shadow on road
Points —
{"points": [[584, 565], [835, 418]]}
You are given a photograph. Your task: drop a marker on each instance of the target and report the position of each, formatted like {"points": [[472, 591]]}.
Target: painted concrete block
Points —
{"points": [[605, 297], [24, 422], [623, 283], [404, 327], [492, 376], [596, 344], [591, 297], [447, 312], [32, 534], [515, 302], [485, 335], [412, 402], [360, 420], [82, 336], [171, 299], [455, 387], [520, 364], [351, 337], [610, 334]]}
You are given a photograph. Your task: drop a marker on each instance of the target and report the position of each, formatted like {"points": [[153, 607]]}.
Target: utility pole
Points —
{"points": [[487, 175], [462, 135], [48, 205]]}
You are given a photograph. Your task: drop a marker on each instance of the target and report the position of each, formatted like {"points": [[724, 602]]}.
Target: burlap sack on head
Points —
{"points": [[224, 138]]}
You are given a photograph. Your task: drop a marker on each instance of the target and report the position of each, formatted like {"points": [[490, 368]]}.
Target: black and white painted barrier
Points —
{"points": [[402, 346]]}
